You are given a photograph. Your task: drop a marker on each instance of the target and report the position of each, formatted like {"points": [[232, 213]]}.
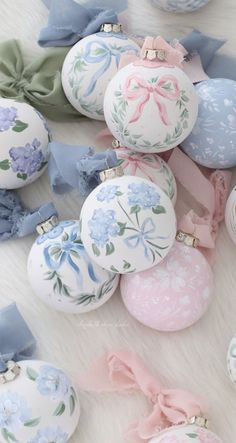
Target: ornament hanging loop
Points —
{"points": [[202, 422], [47, 225], [187, 239], [111, 27], [12, 372], [111, 173]]}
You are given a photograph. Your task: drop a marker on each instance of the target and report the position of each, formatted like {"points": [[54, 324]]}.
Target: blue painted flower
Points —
{"points": [[56, 232], [27, 159], [143, 195], [107, 193], [14, 410], [103, 225], [50, 435], [7, 118], [53, 382]]}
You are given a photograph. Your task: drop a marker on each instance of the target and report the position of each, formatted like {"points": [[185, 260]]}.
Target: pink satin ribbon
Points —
{"points": [[137, 161], [124, 371], [211, 193], [144, 92]]}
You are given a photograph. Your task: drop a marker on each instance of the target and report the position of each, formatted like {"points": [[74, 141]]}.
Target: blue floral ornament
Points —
{"points": [[103, 226], [54, 233], [14, 411], [108, 193], [8, 117], [50, 435], [143, 195], [180, 5], [212, 142], [53, 382], [27, 159]]}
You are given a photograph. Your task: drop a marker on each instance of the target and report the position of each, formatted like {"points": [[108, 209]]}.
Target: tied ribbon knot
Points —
{"points": [[143, 91], [134, 161], [124, 371]]}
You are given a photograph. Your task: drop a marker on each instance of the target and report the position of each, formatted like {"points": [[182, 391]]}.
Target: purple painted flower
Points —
{"points": [[27, 159], [7, 117]]}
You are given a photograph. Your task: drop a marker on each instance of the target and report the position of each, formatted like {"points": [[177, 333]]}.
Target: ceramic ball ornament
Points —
{"points": [[150, 105], [186, 434], [173, 295], [91, 64], [148, 166], [212, 140], [230, 215], [24, 138], [180, 5], [128, 223], [38, 403], [62, 274]]}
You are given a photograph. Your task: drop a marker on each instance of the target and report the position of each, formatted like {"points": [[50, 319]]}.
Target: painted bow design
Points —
{"points": [[137, 161], [69, 248], [143, 90], [143, 236], [103, 52]]}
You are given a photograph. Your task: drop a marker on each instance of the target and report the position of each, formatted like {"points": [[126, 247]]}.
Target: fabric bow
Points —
{"points": [[124, 371], [69, 21], [38, 83], [135, 160], [15, 220], [16, 340], [137, 88]]}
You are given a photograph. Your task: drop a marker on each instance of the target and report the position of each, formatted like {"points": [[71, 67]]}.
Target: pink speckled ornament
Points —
{"points": [[172, 295]]}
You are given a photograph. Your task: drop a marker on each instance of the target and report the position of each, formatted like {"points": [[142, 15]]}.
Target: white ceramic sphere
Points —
{"points": [[24, 138], [128, 224], [173, 295], [231, 360], [230, 215], [186, 434], [148, 166], [88, 68], [62, 274], [180, 6], [150, 109], [40, 405]]}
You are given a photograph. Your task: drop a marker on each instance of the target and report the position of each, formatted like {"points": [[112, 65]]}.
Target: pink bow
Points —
{"points": [[136, 161], [144, 92], [124, 371]]}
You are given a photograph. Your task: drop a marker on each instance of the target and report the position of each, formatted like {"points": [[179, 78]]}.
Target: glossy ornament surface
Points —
{"points": [[172, 295], [62, 274], [150, 167], [180, 5], [230, 215], [150, 109], [128, 224], [186, 434], [40, 405], [231, 360], [24, 137], [212, 142], [88, 68]]}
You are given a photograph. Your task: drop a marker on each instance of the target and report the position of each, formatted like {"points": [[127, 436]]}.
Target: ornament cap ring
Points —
{"points": [[111, 173], [199, 421], [47, 225], [153, 54], [111, 27], [13, 370], [187, 239]]}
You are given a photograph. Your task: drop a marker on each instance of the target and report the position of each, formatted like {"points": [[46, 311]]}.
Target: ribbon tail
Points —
{"points": [[76, 269], [139, 110], [97, 75], [163, 111]]}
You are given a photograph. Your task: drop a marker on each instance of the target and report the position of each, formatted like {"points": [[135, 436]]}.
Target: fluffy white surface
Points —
{"points": [[193, 359]]}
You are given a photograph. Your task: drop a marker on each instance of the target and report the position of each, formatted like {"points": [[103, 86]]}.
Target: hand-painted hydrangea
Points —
{"points": [[53, 382], [7, 118], [50, 435], [107, 193], [27, 159], [14, 411], [143, 195], [103, 225]]}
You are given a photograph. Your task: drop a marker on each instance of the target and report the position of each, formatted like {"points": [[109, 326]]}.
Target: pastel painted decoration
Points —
{"points": [[172, 295], [186, 434], [149, 166], [128, 224], [24, 137], [231, 360], [212, 141], [230, 215], [89, 67], [180, 5], [150, 105], [62, 274]]}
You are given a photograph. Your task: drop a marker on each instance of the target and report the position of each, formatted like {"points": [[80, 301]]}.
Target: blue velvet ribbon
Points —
{"points": [[77, 167], [69, 21], [16, 340], [17, 221]]}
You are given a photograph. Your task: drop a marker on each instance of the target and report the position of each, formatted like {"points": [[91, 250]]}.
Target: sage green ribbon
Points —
{"points": [[38, 83]]}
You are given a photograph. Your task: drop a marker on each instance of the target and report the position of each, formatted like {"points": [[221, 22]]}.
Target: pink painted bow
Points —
{"points": [[124, 371], [143, 91], [134, 161]]}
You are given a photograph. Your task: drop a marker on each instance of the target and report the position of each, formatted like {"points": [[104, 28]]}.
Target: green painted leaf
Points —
{"points": [[32, 374], [159, 210], [5, 434], [20, 126], [95, 250], [5, 165], [192, 435], [72, 404], [135, 209], [60, 409], [110, 248], [113, 269], [122, 227], [8, 436], [126, 265], [22, 176], [33, 422], [118, 193]]}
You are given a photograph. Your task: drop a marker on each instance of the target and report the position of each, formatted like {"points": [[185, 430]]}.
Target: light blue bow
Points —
{"points": [[57, 254], [147, 229], [104, 52], [16, 340]]}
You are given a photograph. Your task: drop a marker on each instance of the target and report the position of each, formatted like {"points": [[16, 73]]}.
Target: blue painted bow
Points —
{"points": [[16, 340], [103, 52], [65, 251]]}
